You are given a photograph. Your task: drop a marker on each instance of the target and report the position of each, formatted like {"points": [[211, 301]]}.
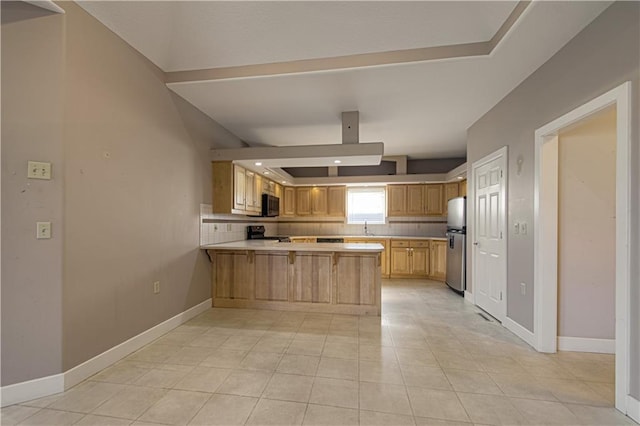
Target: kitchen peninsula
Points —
{"points": [[340, 278]]}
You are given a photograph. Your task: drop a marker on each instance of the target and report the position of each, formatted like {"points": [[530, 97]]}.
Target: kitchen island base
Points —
{"points": [[339, 282]]}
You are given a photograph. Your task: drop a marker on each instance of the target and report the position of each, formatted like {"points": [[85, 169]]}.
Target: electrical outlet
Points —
{"points": [[215, 227], [43, 230], [516, 228], [228, 227], [523, 288], [523, 228], [156, 287], [38, 170]]}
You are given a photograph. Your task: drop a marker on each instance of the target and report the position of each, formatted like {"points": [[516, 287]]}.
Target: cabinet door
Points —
{"points": [[272, 276], [250, 190], [420, 261], [312, 278], [397, 202], [303, 201], [434, 199], [288, 202], [438, 260], [336, 200], [319, 201], [400, 261], [257, 193], [239, 185], [462, 188], [415, 200], [451, 190]]}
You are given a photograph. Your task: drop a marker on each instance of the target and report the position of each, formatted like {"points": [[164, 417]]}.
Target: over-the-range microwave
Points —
{"points": [[270, 205]]}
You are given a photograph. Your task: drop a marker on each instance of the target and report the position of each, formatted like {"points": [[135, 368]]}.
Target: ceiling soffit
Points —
{"points": [[431, 53]]}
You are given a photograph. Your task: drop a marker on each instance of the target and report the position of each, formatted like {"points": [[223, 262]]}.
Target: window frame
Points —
{"points": [[363, 189]]}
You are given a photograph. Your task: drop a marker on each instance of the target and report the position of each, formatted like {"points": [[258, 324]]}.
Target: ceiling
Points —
{"points": [[420, 73]]}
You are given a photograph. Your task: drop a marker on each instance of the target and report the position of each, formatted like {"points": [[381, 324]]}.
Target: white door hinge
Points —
{"points": [[500, 295]]}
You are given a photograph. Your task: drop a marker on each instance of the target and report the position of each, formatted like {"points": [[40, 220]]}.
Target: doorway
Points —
{"points": [[546, 230]]}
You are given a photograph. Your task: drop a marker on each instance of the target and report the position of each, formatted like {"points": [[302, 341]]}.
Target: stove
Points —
{"points": [[256, 232]]}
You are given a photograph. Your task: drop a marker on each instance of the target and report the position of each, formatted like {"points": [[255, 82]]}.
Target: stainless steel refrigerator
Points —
{"points": [[456, 250]]}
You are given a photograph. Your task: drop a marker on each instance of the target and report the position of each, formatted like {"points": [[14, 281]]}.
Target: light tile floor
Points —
{"points": [[429, 360]]}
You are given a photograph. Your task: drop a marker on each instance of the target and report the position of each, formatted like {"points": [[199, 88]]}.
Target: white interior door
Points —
{"points": [[489, 245]]}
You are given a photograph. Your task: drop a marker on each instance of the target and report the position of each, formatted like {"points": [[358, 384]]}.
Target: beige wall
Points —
{"points": [[130, 172], [601, 57], [31, 130], [587, 228]]}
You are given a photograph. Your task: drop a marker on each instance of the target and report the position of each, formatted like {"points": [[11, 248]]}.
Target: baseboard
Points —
{"points": [[50, 385], [633, 408], [583, 344], [31, 389], [519, 331]]}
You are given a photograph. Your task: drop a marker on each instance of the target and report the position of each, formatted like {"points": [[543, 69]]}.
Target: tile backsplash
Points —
{"points": [[225, 228], [406, 227], [217, 228]]}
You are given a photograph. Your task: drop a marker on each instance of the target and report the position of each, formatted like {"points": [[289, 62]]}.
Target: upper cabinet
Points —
{"points": [[415, 200], [319, 205], [396, 200], [337, 201], [462, 188], [303, 201], [320, 201], [451, 190], [288, 201], [235, 189]]}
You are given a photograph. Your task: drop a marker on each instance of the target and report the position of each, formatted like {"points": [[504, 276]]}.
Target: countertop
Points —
{"points": [[382, 237], [271, 245]]}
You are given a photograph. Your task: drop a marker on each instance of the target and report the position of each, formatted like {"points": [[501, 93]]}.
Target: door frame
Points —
{"points": [[471, 190], [546, 231]]}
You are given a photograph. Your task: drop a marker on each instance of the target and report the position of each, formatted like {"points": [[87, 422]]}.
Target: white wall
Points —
{"points": [[601, 57], [587, 228]]}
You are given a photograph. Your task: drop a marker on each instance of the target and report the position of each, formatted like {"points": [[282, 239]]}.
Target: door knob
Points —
{"points": [[476, 243]]}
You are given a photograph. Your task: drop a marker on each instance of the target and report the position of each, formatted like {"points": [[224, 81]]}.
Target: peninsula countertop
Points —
{"points": [[380, 237], [273, 245]]}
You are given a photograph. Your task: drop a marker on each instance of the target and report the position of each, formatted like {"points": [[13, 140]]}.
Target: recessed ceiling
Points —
{"points": [[421, 109]]}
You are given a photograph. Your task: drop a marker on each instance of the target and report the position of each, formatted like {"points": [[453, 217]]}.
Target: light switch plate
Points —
{"points": [[38, 170], [43, 230]]}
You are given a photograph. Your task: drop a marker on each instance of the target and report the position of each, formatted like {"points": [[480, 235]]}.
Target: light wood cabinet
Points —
{"points": [[415, 200], [229, 188], [410, 258], [239, 185], [397, 200], [451, 190], [303, 201], [462, 188], [253, 192], [303, 239], [336, 201], [271, 276], [384, 256], [288, 202], [340, 282], [438, 260], [400, 261], [319, 205], [434, 199], [312, 275]]}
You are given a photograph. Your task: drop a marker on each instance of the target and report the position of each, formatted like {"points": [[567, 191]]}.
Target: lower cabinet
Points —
{"points": [[418, 259], [438, 260], [384, 256], [332, 282], [409, 258], [311, 280]]}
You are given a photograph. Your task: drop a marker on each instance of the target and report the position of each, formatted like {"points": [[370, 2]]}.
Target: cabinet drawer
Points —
{"points": [[399, 243], [419, 243]]}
